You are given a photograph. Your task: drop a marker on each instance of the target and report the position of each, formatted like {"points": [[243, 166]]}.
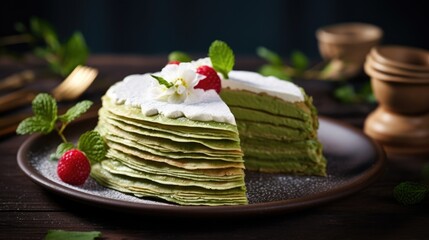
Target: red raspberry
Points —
{"points": [[174, 62], [212, 80], [73, 167]]}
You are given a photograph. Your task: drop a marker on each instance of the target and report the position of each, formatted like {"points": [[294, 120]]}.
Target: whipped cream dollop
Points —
{"points": [[256, 83], [141, 91]]}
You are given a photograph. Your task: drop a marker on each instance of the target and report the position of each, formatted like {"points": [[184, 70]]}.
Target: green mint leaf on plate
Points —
{"points": [[270, 56], [71, 235], [162, 81], [299, 61], [75, 111], [45, 106], [222, 57], [45, 115], [61, 149], [35, 124], [409, 193], [179, 56], [92, 144]]}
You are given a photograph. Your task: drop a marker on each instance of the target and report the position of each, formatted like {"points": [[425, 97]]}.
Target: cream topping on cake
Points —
{"points": [[138, 91], [255, 82]]}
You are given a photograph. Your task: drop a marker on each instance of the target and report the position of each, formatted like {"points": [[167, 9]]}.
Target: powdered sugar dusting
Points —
{"points": [[47, 168], [261, 187], [349, 159]]}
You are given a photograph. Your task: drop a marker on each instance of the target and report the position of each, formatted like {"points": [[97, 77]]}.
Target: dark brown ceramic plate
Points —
{"points": [[354, 161]]}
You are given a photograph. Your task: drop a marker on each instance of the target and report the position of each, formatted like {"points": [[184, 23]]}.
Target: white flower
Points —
{"points": [[182, 77]]}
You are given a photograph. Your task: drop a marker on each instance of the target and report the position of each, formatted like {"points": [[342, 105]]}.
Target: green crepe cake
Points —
{"points": [[171, 141], [179, 144]]}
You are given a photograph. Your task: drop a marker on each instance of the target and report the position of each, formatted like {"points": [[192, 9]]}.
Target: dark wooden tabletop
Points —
{"points": [[28, 211]]}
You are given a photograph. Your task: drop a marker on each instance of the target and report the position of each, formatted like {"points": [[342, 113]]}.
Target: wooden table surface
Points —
{"points": [[28, 211]]}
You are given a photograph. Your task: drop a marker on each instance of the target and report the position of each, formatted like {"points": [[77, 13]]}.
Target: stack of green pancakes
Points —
{"points": [[277, 135], [179, 160], [196, 160]]}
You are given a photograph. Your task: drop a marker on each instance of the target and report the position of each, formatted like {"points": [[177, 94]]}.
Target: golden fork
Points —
{"points": [[71, 88]]}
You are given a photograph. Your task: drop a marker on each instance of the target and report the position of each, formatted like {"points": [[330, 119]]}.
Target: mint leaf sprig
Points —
{"points": [[46, 120], [222, 57], [91, 143], [45, 115]]}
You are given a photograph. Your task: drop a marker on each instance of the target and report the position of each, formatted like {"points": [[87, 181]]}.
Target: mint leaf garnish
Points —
{"points": [[222, 57], [179, 56], [162, 81], [409, 193], [45, 115], [34, 124], [92, 144], [45, 106], [270, 56], [61, 149], [45, 120], [71, 235], [75, 111]]}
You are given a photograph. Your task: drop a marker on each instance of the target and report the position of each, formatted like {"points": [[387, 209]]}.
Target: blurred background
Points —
{"points": [[161, 26]]}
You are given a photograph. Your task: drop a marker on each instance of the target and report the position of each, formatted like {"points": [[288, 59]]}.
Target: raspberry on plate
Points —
{"points": [[73, 167]]}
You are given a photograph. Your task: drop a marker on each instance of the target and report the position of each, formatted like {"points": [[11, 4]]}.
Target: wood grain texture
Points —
{"points": [[27, 211]]}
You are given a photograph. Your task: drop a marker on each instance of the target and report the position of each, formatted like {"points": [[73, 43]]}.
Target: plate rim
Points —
{"points": [[279, 206]]}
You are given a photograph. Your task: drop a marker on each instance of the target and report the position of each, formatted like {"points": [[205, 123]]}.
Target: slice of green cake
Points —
{"points": [[277, 123], [187, 152]]}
